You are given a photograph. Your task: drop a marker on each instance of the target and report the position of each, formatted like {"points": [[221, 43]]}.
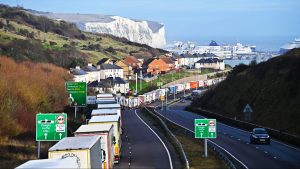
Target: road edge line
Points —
{"points": [[170, 159]]}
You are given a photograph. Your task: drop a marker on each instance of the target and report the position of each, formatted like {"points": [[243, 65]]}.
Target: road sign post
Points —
{"points": [[205, 128]]}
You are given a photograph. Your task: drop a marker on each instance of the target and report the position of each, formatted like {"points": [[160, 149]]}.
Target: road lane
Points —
{"points": [[146, 149], [236, 141]]}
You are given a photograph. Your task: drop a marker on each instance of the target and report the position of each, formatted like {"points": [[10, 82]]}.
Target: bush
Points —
{"points": [[25, 89]]}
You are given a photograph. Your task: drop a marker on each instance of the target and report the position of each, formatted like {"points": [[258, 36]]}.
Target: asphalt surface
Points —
{"points": [[140, 147], [236, 141]]}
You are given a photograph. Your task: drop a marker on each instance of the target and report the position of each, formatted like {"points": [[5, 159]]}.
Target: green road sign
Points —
{"points": [[77, 93], [205, 128], [51, 127]]}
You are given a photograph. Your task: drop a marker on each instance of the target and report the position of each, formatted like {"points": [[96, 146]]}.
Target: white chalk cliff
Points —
{"points": [[145, 32]]}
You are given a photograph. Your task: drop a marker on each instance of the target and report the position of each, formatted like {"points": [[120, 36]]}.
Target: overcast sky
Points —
{"points": [[192, 19]]}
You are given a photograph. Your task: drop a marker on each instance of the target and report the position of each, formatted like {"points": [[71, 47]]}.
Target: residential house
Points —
{"points": [[79, 74], [109, 70], [133, 62], [169, 61], [212, 63], [160, 65], [127, 69], [110, 85], [106, 61], [143, 57], [92, 72]]}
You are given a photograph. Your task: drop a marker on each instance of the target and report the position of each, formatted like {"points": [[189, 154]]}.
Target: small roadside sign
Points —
{"points": [[248, 109], [51, 126], [205, 128]]}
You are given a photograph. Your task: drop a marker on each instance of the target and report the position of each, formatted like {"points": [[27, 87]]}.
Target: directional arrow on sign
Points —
{"points": [[45, 136], [211, 134], [201, 134], [60, 136]]}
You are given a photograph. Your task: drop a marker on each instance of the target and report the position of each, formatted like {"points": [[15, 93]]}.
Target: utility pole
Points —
{"points": [[184, 85], [136, 91], [166, 93], [141, 76]]}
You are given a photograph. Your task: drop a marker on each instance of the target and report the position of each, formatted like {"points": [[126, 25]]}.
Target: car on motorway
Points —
{"points": [[259, 135]]}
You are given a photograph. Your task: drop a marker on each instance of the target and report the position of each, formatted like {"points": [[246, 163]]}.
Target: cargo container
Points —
{"points": [[153, 96], [91, 99], [87, 150], [205, 83], [179, 87], [112, 106], [106, 106], [106, 132], [194, 85], [105, 95], [105, 112], [135, 101], [173, 89], [68, 162], [209, 82], [201, 83], [115, 121], [187, 86], [162, 92], [142, 99], [106, 101]]}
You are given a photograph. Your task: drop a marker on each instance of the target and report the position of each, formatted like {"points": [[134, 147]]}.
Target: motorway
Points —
{"points": [[236, 142], [140, 146]]}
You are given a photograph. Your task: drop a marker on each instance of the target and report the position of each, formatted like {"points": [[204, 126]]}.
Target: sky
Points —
{"points": [[269, 23]]}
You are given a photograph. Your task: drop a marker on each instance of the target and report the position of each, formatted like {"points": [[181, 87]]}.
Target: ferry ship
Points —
{"points": [[285, 48], [222, 51]]}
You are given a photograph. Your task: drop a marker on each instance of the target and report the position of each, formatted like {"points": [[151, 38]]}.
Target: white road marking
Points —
{"points": [[170, 160], [208, 141]]}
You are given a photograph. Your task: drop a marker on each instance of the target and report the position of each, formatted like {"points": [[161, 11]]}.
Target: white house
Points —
{"points": [[92, 72], [110, 85], [79, 74], [212, 63], [110, 70]]}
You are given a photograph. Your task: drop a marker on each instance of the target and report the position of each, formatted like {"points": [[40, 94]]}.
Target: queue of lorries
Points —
{"points": [[97, 144], [158, 94], [94, 145]]}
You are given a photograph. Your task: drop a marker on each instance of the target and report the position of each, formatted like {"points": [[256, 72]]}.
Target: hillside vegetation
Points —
{"points": [[24, 36], [271, 88], [25, 89]]}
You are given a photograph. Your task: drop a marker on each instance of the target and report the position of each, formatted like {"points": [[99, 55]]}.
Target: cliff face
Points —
{"points": [[150, 33], [145, 32]]}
